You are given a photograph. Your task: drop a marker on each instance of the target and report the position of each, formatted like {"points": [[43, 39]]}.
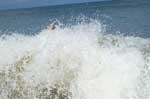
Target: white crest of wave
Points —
{"points": [[77, 62]]}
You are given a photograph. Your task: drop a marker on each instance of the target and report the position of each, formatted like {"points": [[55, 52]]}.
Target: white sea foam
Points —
{"points": [[77, 62]]}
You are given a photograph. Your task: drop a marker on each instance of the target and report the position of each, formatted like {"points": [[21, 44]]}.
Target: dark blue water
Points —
{"points": [[126, 17]]}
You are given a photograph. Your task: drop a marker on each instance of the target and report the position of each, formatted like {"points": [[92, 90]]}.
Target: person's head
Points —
{"points": [[51, 27]]}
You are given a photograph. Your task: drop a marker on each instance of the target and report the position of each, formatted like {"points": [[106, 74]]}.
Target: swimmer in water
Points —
{"points": [[51, 27]]}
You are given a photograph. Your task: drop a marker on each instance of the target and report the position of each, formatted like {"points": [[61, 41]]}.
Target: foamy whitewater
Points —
{"points": [[76, 62]]}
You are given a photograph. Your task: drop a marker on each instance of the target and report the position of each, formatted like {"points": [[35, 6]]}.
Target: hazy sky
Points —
{"points": [[7, 4]]}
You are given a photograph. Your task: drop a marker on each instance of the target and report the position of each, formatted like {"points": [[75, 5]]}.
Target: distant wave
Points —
{"points": [[132, 1]]}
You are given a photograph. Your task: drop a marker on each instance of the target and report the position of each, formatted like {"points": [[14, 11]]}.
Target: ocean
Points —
{"points": [[99, 50]]}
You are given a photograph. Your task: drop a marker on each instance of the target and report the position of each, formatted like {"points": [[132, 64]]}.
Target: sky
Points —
{"points": [[12, 4]]}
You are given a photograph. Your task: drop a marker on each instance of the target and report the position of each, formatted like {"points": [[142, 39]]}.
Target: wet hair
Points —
{"points": [[53, 27]]}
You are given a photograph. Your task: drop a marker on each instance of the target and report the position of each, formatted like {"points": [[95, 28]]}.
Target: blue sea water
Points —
{"points": [[127, 17], [98, 50]]}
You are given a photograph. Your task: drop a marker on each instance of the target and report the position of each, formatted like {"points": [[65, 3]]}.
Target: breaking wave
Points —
{"points": [[76, 62]]}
